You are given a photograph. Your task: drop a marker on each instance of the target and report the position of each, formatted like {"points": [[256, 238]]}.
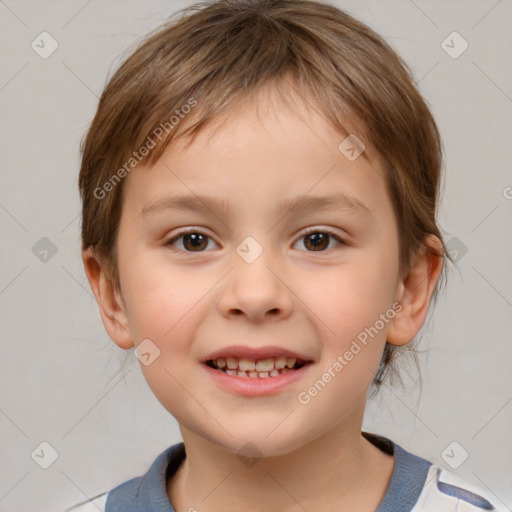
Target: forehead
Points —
{"points": [[277, 110], [260, 150]]}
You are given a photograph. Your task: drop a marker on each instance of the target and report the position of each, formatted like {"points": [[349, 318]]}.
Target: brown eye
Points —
{"points": [[192, 241], [318, 240], [195, 241]]}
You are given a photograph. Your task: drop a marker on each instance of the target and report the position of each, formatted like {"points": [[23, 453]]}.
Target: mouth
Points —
{"points": [[269, 367]]}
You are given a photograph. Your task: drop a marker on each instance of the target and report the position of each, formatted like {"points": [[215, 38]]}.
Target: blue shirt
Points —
{"points": [[416, 486]]}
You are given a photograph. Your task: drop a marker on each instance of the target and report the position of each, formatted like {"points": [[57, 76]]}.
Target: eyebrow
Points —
{"points": [[303, 203]]}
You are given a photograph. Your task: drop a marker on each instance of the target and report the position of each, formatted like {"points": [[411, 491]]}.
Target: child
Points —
{"points": [[259, 190]]}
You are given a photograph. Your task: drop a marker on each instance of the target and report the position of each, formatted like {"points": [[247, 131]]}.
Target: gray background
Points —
{"points": [[60, 379]]}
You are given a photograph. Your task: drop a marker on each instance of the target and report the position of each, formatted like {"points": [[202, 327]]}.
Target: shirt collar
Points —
{"points": [[149, 492]]}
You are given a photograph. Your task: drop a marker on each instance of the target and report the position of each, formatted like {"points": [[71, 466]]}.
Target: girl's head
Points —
{"points": [[257, 105]]}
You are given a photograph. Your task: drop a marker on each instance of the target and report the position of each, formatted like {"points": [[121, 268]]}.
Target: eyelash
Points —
{"points": [[309, 231]]}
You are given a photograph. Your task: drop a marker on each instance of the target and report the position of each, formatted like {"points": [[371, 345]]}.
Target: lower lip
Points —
{"points": [[257, 386]]}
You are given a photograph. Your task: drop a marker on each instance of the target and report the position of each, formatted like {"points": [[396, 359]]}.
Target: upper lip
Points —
{"points": [[239, 351]]}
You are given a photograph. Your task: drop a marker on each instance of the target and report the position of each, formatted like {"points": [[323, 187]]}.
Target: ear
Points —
{"points": [[110, 302], [415, 291]]}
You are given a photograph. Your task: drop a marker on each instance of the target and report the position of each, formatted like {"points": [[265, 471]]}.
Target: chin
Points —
{"points": [[257, 443]]}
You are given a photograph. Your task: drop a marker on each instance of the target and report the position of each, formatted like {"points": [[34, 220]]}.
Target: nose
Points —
{"points": [[257, 290]]}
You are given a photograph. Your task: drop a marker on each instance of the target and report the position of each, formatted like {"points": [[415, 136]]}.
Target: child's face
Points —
{"points": [[193, 297]]}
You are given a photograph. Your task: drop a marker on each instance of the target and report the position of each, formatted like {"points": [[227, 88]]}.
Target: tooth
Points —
{"points": [[285, 370], [246, 365], [241, 374], [280, 362], [262, 374], [253, 374], [265, 365], [274, 373], [232, 363], [221, 362], [231, 372], [290, 362]]}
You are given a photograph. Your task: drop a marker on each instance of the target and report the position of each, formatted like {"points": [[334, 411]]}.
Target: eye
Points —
{"points": [[319, 239], [196, 241], [193, 241]]}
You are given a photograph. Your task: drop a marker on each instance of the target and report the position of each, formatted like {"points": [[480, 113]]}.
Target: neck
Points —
{"points": [[331, 472]]}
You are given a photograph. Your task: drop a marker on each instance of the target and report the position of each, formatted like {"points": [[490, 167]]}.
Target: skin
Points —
{"points": [[190, 303]]}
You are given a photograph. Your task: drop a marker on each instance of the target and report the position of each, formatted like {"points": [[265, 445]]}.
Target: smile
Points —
{"points": [[252, 368]]}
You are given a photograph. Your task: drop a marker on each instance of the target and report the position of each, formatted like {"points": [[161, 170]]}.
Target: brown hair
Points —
{"points": [[212, 55]]}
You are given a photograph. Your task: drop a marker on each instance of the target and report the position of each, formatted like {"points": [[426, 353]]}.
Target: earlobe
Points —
{"points": [[415, 291], [110, 302]]}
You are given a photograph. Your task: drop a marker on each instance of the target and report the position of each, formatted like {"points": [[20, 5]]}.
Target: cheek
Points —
{"points": [[350, 300], [164, 306], [349, 305], [159, 295], [350, 297]]}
